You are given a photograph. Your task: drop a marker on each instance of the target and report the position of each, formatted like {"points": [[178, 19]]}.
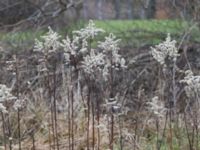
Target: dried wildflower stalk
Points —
{"points": [[192, 85], [95, 65], [48, 47], [166, 54], [3, 111], [165, 50], [7, 99], [191, 113]]}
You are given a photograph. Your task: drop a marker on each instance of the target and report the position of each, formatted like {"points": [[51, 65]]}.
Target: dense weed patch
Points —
{"points": [[81, 92]]}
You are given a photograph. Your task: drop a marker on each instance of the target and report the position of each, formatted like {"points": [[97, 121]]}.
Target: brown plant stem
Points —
{"points": [[51, 107], [4, 130], [49, 132], [93, 126], [112, 96], [52, 124], [120, 133], [69, 119], [33, 141], [18, 111], [9, 133], [72, 116], [19, 131], [88, 117], [112, 131], [55, 110], [187, 131], [98, 123]]}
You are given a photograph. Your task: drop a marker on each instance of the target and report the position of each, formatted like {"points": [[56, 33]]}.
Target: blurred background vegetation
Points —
{"points": [[137, 22]]}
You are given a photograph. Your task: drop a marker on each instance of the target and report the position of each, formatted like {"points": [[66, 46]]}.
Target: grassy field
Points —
{"points": [[134, 33]]}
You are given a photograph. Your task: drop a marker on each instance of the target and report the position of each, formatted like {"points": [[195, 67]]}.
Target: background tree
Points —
{"points": [[130, 9], [117, 8], [99, 9], [151, 9]]}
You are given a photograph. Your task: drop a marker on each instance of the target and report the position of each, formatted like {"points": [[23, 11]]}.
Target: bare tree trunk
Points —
{"points": [[130, 9], [99, 9], [85, 9], [151, 9], [142, 13], [117, 9]]}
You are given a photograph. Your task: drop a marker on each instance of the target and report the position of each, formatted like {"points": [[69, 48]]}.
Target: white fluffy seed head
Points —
{"points": [[157, 107], [110, 43], [90, 31], [192, 84], [93, 61], [49, 42], [19, 104], [111, 49], [165, 49], [3, 109], [5, 94]]}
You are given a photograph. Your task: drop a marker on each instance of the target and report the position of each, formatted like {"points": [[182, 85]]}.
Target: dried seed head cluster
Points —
{"points": [[89, 32], [166, 49], [49, 42], [93, 62], [5, 94], [3, 109], [70, 47], [12, 64], [110, 43], [157, 107], [192, 82], [73, 48], [19, 104], [111, 48], [105, 58], [92, 59], [78, 45], [47, 46], [113, 59]]}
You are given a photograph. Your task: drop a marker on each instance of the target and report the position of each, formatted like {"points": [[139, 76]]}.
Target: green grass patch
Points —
{"points": [[144, 32], [132, 32]]}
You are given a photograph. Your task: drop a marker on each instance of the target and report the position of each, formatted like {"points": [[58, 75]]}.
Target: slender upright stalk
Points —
{"points": [[157, 134], [164, 129], [174, 86], [170, 127], [120, 132], [187, 131], [4, 130], [136, 132], [72, 116], [88, 117], [98, 123], [93, 125], [9, 131], [69, 118], [18, 111], [112, 131], [52, 124], [55, 108], [52, 110], [19, 132], [49, 132], [33, 141], [112, 96]]}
